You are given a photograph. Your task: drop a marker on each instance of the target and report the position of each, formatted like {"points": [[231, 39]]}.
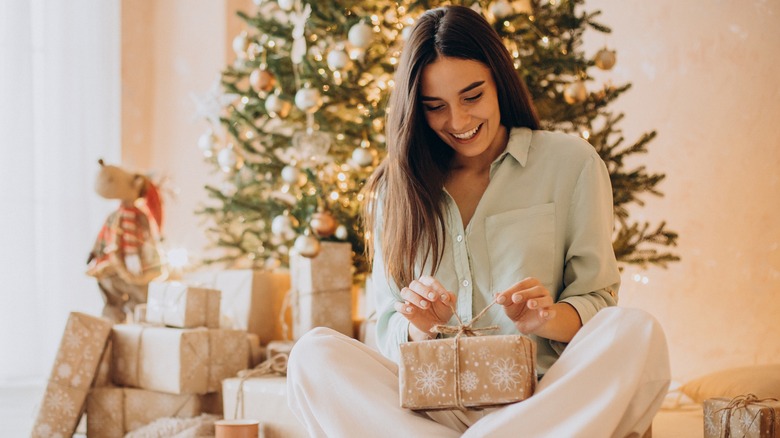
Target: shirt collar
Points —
{"points": [[518, 145]]}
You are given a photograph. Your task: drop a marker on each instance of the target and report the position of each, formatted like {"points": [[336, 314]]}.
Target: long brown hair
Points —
{"points": [[409, 183]]}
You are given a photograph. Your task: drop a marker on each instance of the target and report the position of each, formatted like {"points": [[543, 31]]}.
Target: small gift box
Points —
{"points": [[176, 361], [743, 416], [467, 372], [112, 412], [75, 367], [175, 304]]}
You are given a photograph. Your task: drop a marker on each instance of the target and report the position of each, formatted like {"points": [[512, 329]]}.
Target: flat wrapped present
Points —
{"points": [[176, 361], [113, 412], [176, 304], [743, 416], [321, 290], [264, 399], [251, 300], [467, 372], [75, 367]]}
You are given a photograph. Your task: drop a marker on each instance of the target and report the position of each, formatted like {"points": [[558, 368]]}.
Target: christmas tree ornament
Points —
{"points": [[207, 143], [523, 7], [228, 189], [291, 174], [341, 232], [272, 263], [337, 59], [262, 80], [253, 51], [298, 19], [307, 245], [501, 9], [311, 145], [362, 156], [357, 53], [360, 35], [211, 104], [241, 44], [277, 106], [605, 59], [323, 223], [286, 5], [284, 226], [575, 92], [228, 159], [308, 99], [406, 32]]}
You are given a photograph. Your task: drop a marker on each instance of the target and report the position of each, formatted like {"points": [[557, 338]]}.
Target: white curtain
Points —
{"points": [[59, 113]]}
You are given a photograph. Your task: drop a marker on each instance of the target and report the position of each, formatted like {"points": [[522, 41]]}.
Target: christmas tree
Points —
{"points": [[297, 121]]}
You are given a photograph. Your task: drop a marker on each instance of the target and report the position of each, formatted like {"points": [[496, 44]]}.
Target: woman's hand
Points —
{"points": [[426, 304], [528, 304]]}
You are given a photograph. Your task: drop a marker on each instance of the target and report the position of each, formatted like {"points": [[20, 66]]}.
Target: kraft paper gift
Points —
{"points": [[176, 361], [321, 290], [467, 372], [251, 300], [743, 416], [261, 394], [113, 412], [175, 304], [75, 367]]}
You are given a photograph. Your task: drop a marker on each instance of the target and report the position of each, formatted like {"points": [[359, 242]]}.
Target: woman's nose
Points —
{"points": [[459, 119]]}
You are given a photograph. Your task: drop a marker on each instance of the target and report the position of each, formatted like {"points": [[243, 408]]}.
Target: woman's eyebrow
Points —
{"points": [[469, 87]]}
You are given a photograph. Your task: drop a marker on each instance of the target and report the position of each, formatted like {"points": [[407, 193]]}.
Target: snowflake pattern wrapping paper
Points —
{"points": [[112, 412], [251, 300], [176, 361], [492, 371], [75, 366], [175, 304], [759, 419], [321, 292]]}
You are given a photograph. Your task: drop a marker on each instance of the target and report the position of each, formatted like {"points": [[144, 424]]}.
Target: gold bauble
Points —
{"points": [[605, 59], [262, 80], [575, 93], [323, 224]]}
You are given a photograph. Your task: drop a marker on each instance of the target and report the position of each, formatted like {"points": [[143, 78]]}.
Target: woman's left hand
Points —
{"points": [[528, 304]]}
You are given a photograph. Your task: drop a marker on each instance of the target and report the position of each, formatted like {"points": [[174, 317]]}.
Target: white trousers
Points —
{"points": [[609, 382]]}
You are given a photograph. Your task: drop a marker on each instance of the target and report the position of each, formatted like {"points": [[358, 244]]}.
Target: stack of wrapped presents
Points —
{"points": [[201, 347]]}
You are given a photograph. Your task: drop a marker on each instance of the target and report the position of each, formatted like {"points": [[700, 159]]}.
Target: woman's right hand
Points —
{"points": [[426, 304]]}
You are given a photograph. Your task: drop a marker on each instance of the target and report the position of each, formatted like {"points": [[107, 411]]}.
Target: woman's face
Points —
{"points": [[460, 103]]}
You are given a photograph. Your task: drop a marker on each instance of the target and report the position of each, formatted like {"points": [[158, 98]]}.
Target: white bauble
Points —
{"points": [[308, 99], [362, 156], [501, 9], [360, 35], [227, 159], [291, 174], [282, 226], [276, 106], [240, 43], [286, 5], [307, 245], [206, 142], [575, 92], [406, 32], [341, 232], [228, 189], [337, 59]]}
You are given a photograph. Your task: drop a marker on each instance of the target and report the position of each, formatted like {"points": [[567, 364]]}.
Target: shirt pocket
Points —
{"points": [[521, 243]]}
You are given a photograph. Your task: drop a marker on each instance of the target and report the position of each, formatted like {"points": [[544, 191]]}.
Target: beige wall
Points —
{"points": [[705, 75]]}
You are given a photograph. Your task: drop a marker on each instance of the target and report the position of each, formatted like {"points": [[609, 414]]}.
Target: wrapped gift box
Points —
{"points": [[744, 416], [321, 289], [175, 304], [251, 300], [256, 351], [493, 370], [177, 361], [112, 412], [265, 400], [75, 367]]}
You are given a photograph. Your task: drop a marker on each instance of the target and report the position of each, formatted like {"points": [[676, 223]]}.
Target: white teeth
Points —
{"points": [[467, 135]]}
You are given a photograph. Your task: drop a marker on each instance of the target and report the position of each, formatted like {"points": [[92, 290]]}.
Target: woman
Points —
{"points": [[474, 204]]}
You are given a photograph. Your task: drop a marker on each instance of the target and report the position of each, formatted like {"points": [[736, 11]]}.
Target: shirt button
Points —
{"points": [[459, 238], [465, 283]]}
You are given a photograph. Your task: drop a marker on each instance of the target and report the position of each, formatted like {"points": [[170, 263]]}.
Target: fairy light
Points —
{"points": [[585, 134], [334, 196]]}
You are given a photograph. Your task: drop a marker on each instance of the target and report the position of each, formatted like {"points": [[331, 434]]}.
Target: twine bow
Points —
{"points": [[742, 402], [275, 365], [460, 330]]}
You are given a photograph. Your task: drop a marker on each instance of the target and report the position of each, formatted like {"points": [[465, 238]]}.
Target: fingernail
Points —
{"points": [[517, 298], [444, 297], [431, 295], [532, 304], [545, 314], [408, 309], [500, 299], [423, 304]]}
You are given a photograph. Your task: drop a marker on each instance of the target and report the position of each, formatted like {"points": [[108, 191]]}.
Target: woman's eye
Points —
{"points": [[474, 98], [433, 108]]}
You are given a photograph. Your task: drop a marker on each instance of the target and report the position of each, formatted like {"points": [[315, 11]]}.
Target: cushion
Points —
{"points": [[761, 380]]}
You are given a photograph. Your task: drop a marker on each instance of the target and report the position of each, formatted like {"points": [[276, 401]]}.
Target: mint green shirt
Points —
{"points": [[546, 213]]}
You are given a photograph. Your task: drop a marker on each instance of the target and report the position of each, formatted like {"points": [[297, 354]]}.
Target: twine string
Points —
{"points": [[742, 402], [275, 365]]}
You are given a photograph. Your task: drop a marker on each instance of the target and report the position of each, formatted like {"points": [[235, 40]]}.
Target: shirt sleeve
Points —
{"points": [[591, 276], [392, 329]]}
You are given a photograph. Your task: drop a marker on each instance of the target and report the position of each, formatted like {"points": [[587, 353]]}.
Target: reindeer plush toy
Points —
{"points": [[127, 253]]}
